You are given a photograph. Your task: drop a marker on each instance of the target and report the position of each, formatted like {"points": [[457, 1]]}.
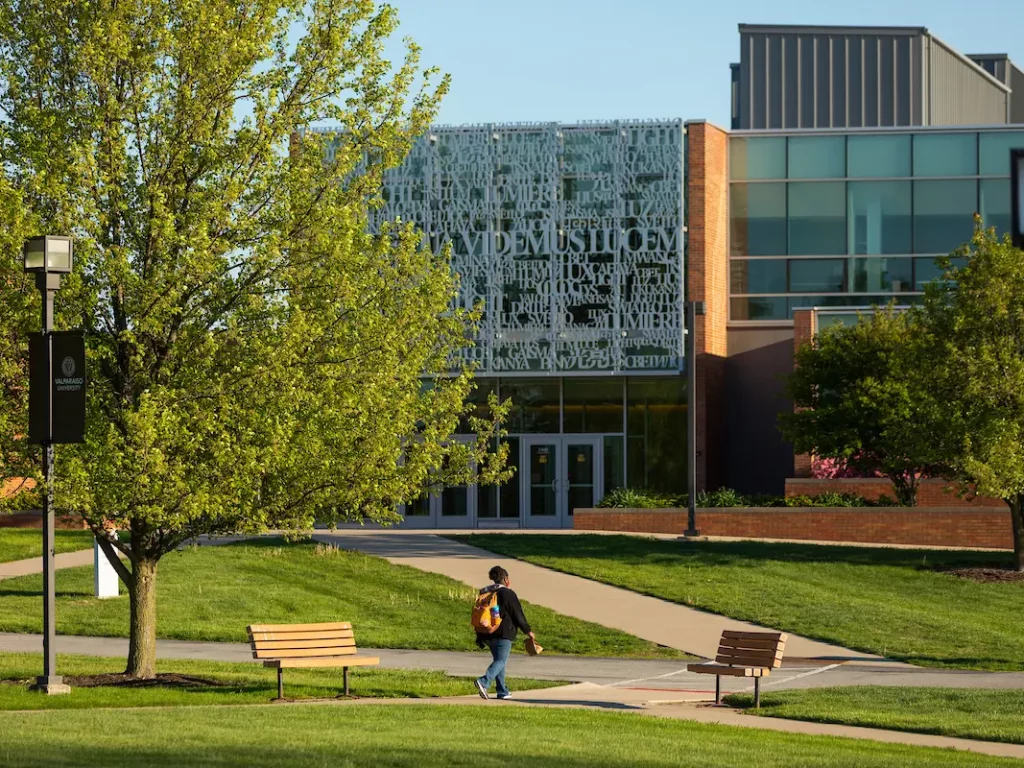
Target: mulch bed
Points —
{"points": [[992, 575], [120, 680]]}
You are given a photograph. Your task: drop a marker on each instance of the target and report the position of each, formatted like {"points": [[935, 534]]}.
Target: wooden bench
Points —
{"points": [[307, 645], [744, 654]]}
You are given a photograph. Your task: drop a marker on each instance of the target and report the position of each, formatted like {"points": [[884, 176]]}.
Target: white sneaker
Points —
{"points": [[505, 696], [480, 689]]}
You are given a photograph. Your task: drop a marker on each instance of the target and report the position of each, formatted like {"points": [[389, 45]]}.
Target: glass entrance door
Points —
{"points": [[562, 474]]}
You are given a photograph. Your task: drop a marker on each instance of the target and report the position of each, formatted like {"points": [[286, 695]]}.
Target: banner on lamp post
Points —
{"points": [[57, 387]]}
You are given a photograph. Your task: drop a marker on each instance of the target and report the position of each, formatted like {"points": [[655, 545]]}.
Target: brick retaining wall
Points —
{"points": [[986, 528], [930, 493]]}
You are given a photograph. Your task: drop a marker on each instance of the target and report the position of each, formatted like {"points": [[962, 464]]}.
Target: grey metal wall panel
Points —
{"points": [[790, 81], [839, 71], [960, 94], [870, 82], [806, 93], [759, 83], [822, 81], [902, 82], [1017, 97], [734, 75], [775, 91], [854, 80], [886, 81]]}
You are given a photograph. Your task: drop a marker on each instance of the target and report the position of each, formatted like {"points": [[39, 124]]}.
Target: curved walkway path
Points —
{"points": [[659, 621]]}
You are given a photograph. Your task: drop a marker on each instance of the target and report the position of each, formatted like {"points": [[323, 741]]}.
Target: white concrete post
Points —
{"points": [[106, 580]]}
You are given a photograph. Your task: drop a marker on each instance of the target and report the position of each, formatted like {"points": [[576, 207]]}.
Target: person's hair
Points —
{"points": [[497, 574]]}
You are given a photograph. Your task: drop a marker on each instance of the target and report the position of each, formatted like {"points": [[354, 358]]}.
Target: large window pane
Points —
{"points": [[880, 217], [758, 308], [592, 405], [656, 433], [758, 219], [817, 275], [994, 151], [758, 276], [945, 154], [817, 218], [817, 157], [757, 158], [943, 214], [477, 399], [535, 405], [995, 204], [878, 157], [878, 300], [926, 270], [881, 274], [614, 464]]}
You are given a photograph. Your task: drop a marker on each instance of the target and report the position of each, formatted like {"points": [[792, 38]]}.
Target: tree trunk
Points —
{"points": [[1017, 518], [142, 640]]}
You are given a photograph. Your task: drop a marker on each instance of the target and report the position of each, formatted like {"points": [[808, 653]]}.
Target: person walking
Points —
{"points": [[499, 641]]}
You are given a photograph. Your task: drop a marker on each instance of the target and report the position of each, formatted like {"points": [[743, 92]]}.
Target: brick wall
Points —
{"points": [[707, 276], [931, 493], [34, 519], [980, 527]]}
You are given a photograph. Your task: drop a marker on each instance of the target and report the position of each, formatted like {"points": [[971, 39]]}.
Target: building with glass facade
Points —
{"points": [[582, 241]]}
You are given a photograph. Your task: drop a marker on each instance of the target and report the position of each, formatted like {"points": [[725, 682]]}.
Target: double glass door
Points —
{"points": [[560, 474]]}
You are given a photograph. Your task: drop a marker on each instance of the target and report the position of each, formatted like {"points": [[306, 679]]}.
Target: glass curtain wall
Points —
{"points": [[858, 219]]}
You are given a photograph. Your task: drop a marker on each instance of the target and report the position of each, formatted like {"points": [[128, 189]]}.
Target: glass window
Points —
{"points": [[758, 158], [817, 157], [945, 154], [995, 204], [994, 151], [758, 308], [509, 492], [614, 466], [592, 405], [943, 214], [758, 276], [477, 400], [878, 157], [880, 217], [926, 270], [758, 219], [818, 275], [802, 302], [817, 218], [535, 405], [881, 274], [656, 433]]}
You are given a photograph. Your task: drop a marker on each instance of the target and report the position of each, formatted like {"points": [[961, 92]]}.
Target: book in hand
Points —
{"points": [[533, 648]]}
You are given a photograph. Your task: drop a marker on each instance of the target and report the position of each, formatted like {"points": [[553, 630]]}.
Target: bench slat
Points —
{"points": [[302, 653], [768, 645], [759, 653], [749, 661], [351, 661], [273, 645], [719, 669], [732, 634], [339, 634], [330, 625]]}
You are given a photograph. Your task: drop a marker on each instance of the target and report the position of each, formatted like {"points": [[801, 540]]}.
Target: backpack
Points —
{"points": [[486, 616]]}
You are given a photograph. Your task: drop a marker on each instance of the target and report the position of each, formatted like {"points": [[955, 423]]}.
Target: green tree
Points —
{"points": [[255, 354], [976, 319], [861, 396]]}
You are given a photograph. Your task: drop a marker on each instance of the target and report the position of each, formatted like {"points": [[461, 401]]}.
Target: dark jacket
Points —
{"points": [[512, 617]]}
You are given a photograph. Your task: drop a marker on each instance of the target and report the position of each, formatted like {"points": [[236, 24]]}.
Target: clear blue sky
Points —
{"points": [[569, 60]]}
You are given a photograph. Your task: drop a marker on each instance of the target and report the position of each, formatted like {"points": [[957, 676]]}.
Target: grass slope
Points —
{"points": [[884, 601], [212, 593], [23, 543], [989, 715], [424, 736], [222, 683]]}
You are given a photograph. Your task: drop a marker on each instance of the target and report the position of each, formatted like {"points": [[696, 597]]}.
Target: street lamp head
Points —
{"points": [[49, 254]]}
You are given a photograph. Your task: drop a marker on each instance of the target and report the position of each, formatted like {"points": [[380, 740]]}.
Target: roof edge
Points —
{"points": [[833, 29]]}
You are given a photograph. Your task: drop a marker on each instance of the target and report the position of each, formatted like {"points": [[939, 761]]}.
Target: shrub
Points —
{"points": [[636, 498], [640, 498], [723, 497]]}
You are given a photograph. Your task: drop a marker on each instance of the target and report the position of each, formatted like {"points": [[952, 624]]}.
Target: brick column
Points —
{"points": [[707, 277], [805, 325]]}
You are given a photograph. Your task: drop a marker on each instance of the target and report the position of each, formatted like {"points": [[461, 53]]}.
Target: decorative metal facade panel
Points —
{"points": [[570, 237]]}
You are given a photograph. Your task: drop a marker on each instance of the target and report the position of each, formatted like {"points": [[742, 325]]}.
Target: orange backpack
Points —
{"points": [[486, 615]]}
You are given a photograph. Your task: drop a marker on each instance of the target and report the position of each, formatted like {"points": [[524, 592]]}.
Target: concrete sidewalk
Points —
{"points": [[658, 621], [35, 564]]}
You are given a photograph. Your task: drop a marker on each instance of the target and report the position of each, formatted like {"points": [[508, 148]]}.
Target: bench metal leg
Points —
{"points": [[280, 683], [344, 674], [718, 689], [757, 693]]}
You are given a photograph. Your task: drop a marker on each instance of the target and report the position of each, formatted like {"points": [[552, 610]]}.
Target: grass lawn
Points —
{"points": [[23, 543], [990, 715], [219, 683], [422, 736], [884, 601], [212, 593]]}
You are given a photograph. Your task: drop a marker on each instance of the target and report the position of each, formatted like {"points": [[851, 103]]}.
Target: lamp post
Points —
{"points": [[693, 308], [47, 257]]}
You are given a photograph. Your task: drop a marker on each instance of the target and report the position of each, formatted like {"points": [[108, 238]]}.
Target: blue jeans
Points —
{"points": [[495, 673]]}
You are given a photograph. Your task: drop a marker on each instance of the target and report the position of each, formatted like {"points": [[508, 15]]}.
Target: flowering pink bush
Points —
{"points": [[834, 469]]}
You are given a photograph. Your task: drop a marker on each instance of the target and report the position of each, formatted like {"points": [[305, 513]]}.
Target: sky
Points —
{"points": [[572, 60]]}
